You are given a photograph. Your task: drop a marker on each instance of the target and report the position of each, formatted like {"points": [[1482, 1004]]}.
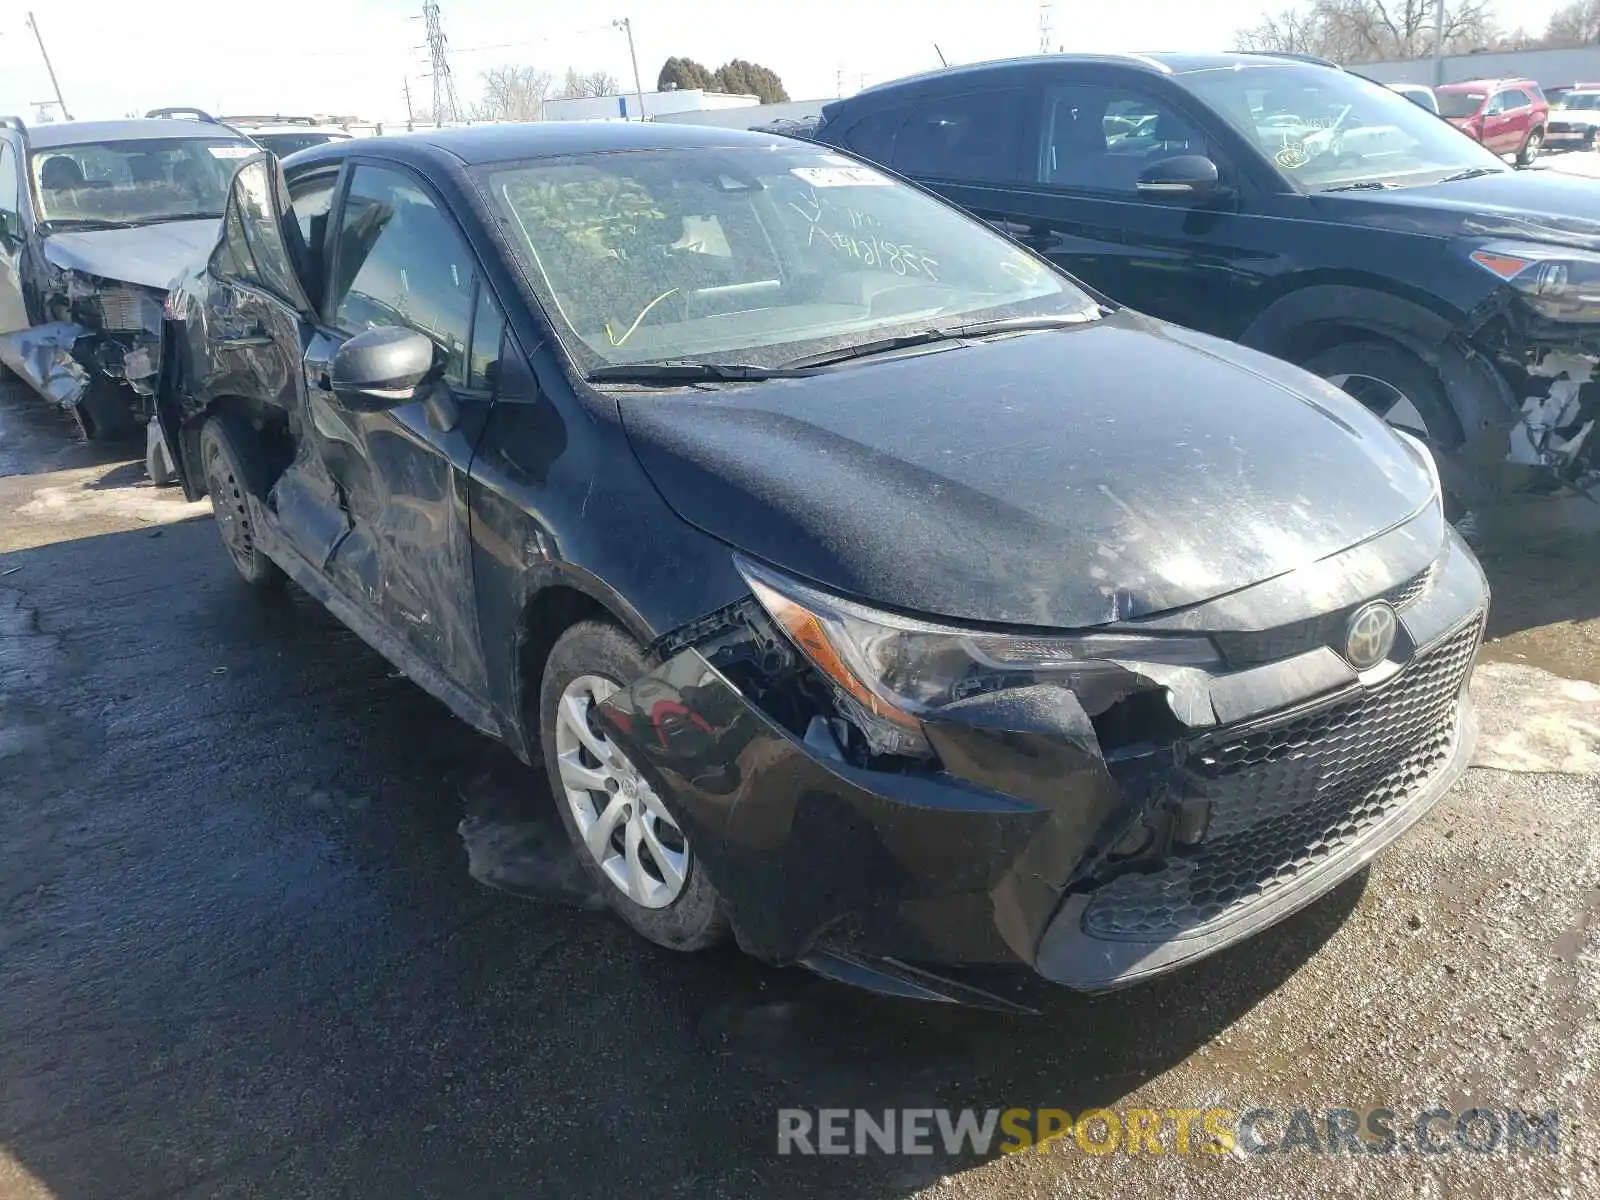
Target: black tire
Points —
{"points": [[1353, 364], [1588, 147], [232, 474], [1531, 145], [694, 919]]}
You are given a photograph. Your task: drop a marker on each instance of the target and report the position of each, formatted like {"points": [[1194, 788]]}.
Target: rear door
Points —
{"points": [[400, 476], [13, 312]]}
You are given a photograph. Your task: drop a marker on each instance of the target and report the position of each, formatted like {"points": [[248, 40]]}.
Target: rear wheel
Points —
{"points": [[232, 475], [629, 844], [1531, 146]]}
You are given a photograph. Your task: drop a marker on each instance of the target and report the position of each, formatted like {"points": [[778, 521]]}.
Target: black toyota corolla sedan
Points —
{"points": [[869, 590]]}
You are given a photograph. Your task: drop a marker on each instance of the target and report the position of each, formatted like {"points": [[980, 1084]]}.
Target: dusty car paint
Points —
{"points": [[459, 535]]}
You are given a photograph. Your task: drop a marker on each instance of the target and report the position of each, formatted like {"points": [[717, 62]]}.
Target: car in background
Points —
{"points": [[1554, 92], [1575, 120], [1295, 208], [867, 588], [1418, 93], [284, 136], [96, 218], [1509, 116]]}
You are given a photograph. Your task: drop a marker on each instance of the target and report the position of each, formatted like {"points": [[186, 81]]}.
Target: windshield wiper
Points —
{"points": [[949, 333], [1365, 185], [160, 218], [689, 372], [1470, 173], [55, 224]]}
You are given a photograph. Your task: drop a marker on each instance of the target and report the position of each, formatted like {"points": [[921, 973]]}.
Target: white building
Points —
{"points": [[656, 104]]}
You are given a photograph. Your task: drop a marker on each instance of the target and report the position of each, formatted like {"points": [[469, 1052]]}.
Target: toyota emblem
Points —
{"points": [[1369, 636]]}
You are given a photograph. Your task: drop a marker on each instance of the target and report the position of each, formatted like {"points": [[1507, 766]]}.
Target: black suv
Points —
{"points": [[866, 587], [1297, 209]]}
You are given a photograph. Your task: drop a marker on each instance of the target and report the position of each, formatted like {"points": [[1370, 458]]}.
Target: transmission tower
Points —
{"points": [[1046, 25], [445, 106]]}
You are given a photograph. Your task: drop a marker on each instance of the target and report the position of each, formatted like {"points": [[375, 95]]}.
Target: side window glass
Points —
{"points": [[252, 200], [1497, 105], [232, 259], [401, 261], [310, 199], [488, 332], [1102, 138], [874, 135], [975, 137]]}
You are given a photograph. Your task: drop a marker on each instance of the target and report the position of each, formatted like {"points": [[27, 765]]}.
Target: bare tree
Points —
{"points": [[512, 94], [1578, 24], [1297, 31], [587, 83], [1357, 31]]}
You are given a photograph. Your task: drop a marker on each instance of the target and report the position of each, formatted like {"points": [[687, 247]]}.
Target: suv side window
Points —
{"points": [[401, 261], [1498, 103], [1527, 97], [488, 334], [976, 137], [1100, 137], [873, 136], [232, 258]]}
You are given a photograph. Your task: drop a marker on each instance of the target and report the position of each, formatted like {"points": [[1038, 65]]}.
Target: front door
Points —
{"points": [[13, 312], [399, 476], [1500, 132]]}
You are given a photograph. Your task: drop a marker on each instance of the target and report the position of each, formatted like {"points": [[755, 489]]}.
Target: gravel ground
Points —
{"points": [[243, 953]]}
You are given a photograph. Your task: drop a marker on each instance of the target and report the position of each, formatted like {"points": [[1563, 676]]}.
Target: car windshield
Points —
{"points": [[135, 181], [757, 255], [1460, 104], [1589, 100], [1325, 128]]}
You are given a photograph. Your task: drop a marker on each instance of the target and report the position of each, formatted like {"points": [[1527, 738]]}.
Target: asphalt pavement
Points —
{"points": [[273, 923]]}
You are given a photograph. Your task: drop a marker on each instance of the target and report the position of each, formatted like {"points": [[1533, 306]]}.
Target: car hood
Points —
{"points": [[1538, 206], [1063, 479], [148, 255]]}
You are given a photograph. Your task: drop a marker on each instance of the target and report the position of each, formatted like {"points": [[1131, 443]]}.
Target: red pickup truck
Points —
{"points": [[1509, 116]]}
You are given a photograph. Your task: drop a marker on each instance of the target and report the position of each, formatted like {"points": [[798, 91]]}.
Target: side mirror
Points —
{"points": [[384, 368], [1186, 177]]}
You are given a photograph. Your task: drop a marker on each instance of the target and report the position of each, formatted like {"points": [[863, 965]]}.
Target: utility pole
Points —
{"points": [[1438, 42], [626, 25], [409, 118], [444, 86], [45, 54]]}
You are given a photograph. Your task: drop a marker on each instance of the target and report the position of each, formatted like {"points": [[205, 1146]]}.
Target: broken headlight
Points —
{"points": [[890, 670], [1559, 283]]}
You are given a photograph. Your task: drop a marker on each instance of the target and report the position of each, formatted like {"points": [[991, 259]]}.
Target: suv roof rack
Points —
{"points": [[189, 114], [13, 123]]}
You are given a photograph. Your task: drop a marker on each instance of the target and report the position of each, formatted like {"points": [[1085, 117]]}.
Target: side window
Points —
{"points": [[252, 200], [232, 258], [488, 332], [873, 136], [1102, 138], [310, 198], [1496, 105], [402, 261], [1527, 97], [975, 137]]}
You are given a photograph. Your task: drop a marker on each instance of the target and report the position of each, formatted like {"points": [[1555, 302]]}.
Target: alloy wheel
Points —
{"points": [[620, 819], [1384, 400]]}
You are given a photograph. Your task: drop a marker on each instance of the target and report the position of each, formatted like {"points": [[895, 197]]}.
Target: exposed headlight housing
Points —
{"points": [[890, 671], [1559, 283]]}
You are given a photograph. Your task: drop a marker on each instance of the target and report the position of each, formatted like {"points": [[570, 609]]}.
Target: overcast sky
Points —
{"points": [[114, 57]]}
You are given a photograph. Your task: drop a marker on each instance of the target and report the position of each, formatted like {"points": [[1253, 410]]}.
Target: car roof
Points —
{"points": [[1467, 85], [473, 144], [329, 130], [72, 133]]}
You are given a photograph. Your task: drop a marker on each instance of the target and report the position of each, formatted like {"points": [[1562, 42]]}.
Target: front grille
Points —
{"points": [[1560, 127], [1269, 645], [1289, 795], [121, 310]]}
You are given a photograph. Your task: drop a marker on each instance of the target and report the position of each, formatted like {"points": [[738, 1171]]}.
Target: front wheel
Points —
{"points": [[1530, 148], [1393, 384], [231, 477], [629, 844]]}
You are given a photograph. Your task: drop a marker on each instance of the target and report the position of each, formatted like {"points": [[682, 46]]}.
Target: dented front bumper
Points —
{"points": [[1027, 844]]}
